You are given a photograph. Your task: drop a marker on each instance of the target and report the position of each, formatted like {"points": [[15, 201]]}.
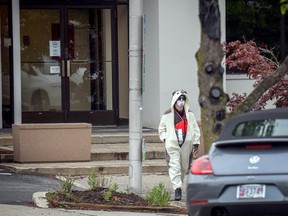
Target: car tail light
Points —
{"points": [[258, 146], [201, 166], [199, 202]]}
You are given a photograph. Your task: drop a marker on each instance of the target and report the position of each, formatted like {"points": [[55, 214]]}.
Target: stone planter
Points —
{"points": [[63, 142]]}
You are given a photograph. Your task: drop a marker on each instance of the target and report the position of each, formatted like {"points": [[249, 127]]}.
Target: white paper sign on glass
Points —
{"points": [[54, 69], [55, 49]]}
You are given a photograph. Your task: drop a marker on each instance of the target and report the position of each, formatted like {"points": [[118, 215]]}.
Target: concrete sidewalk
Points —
{"points": [[16, 210], [148, 182]]}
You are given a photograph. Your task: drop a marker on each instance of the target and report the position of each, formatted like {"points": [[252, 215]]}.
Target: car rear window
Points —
{"points": [[262, 128]]}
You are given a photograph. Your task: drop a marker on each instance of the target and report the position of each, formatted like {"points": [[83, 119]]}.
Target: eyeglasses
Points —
{"points": [[182, 97]]}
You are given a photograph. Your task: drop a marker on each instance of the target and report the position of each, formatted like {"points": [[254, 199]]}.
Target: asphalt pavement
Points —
{"points": [[18, 189]]}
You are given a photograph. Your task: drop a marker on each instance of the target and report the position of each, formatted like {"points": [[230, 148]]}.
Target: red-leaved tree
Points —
{"points": [[259, 63]]}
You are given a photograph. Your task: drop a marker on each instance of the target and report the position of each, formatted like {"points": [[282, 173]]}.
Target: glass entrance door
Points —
{"points": [[67, 65], [89, 62]]}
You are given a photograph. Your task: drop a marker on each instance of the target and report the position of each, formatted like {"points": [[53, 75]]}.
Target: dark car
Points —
{"points": [[246, 169]]}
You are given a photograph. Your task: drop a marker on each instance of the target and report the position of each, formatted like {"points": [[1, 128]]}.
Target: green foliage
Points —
{"points": [[127, 190], [62, 204], [107, 194], [67, 185], [159, 195], [254, 20], [51, 195], [114, 186], [92, 180], [97, 180], [284, 6]]}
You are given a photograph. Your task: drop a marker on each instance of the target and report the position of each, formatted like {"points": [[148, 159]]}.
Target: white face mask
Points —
{"points": [[180, 103]]}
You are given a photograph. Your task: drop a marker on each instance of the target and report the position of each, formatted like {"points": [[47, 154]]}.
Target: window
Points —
{"points": [[262, 128]]}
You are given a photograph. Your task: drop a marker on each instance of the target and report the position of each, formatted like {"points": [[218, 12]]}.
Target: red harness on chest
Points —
{"points": [[182, 124]]}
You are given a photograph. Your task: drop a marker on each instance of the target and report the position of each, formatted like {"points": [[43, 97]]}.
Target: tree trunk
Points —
{"points": [[212, 98]]}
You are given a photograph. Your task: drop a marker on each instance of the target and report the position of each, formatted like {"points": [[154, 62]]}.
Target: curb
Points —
{"points": [[39, 199]]}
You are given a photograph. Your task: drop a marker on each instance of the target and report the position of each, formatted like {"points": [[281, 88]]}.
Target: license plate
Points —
{"points": [[251, 191]]}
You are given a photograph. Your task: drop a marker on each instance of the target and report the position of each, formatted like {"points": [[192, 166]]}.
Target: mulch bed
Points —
{"points": [[93, 200]]}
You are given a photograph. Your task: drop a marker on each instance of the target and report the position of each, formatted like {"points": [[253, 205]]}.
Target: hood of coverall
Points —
{"points": [[176, 95]]}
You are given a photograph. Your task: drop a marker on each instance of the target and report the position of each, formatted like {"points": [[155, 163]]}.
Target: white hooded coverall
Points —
{"points": [[178, 157]]}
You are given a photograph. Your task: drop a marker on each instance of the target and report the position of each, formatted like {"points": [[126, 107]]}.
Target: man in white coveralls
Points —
{"points": [[179, 130]]}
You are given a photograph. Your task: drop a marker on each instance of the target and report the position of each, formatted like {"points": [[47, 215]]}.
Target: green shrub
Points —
{"points": [[97, 180], [67, 185], [92, 180], [107, 194], [127, 190], [114, 187], [159, 195]]}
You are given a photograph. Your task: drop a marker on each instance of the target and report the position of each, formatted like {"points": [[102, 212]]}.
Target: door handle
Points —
{"points": [[68, 68]]}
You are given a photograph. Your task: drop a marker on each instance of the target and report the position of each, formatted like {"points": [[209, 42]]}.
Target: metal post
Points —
{"points": [[282, 38], [1, 119], [16, 61], [284, 11], [135, 95]]}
